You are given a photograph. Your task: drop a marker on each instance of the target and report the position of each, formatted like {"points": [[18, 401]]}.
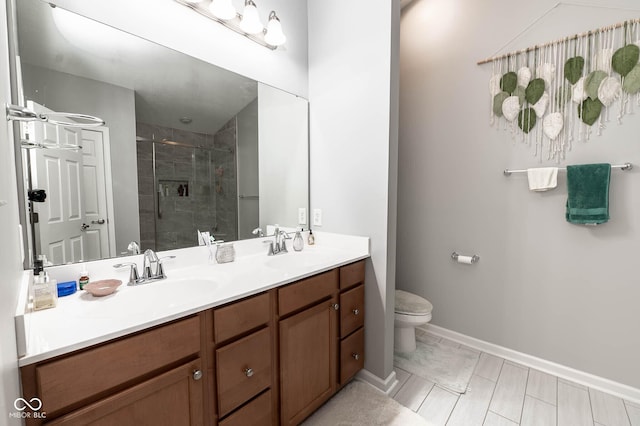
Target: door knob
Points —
{"points": [[84, 227]]}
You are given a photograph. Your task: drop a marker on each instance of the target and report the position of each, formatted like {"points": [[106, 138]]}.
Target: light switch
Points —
{"points": [[302, 216], [317, 217]]}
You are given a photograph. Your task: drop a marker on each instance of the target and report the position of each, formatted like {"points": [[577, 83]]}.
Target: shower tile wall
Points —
{"points": [[188, 195]]}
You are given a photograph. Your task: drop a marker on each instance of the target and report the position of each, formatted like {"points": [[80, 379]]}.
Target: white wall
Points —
{"points": [[561, 292], [10, 261], [352, 128], [248, 180], [173, 25], [116, 106], [283, 162]]}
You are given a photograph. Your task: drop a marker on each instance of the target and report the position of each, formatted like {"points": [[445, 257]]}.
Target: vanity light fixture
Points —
{"points": [[248, 23], [274, 34], [223, 9]]}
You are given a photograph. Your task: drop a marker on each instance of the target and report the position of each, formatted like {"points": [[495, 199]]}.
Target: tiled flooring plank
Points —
{"points": [[438, 405], [413, 392], [508, 397], [633, 410], [494, 419], [489, 367], [472, 406], [537, 413], [402, 377], [608, 409], [574, 406], [542, 386]]}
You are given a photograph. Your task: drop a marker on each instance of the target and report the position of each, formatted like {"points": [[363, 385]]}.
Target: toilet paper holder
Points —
{"points": [[465, 259]]}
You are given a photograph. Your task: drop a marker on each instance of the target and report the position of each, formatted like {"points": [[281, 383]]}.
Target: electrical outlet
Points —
{"points": [[317, 217], [302, 216]]}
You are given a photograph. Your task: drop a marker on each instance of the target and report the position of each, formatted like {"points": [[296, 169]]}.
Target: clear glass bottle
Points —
{"points": [[45, 292], [298, 242]]}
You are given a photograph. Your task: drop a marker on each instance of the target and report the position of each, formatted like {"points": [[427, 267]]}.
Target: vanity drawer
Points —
{"points": [[240, 317], [351, 310], [351, 355], [255, 413], [351, 275], [76, 377], [306, 292], [243, 369]]}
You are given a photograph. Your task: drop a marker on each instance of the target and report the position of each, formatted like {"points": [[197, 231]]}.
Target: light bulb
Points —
{"points": [[222, 9], [274, 36], [250, 22]]}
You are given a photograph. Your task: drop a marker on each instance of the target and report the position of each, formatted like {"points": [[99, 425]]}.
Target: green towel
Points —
{"points": [[588, 189]]}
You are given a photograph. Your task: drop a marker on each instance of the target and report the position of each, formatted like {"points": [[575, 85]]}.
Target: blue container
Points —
{"points": [[66, 288]]}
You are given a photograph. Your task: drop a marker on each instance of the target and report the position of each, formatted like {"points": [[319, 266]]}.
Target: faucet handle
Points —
{"points": [[258, 232], [160, 270], [134, 278]]}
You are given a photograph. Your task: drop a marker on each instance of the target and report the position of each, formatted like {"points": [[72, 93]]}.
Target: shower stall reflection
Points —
{"points": [[187, 181]]}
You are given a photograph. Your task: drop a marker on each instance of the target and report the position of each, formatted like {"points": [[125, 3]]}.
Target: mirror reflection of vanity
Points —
{"points": [[186, 145]]}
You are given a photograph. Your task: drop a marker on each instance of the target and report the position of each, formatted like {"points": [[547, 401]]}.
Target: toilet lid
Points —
{"points": [[412, 304]]}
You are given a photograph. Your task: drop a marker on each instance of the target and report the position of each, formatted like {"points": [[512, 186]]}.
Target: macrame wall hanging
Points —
{"points": [[553, 94]]}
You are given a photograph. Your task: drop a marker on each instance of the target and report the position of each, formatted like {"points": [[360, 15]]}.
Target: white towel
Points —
{"points": [[543, 178]]}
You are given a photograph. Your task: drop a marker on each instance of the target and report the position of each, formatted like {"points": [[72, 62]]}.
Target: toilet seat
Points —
{"points": [[412, 304]]}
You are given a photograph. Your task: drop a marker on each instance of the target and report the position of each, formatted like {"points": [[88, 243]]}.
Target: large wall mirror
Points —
{"points": [[186, 145]]}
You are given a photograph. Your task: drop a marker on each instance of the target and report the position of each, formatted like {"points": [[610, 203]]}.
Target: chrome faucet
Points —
{"points": [[152, 268], [278, 245]]}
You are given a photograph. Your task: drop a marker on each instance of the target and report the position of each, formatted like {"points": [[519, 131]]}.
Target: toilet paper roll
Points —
{"points": [[465, 259]]}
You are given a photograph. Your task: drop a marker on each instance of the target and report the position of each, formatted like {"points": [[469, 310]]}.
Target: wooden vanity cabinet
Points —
{"points": [[135, 377], [271, 358]]}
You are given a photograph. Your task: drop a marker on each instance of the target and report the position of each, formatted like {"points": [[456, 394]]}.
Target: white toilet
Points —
{"points": [[411, 311]]}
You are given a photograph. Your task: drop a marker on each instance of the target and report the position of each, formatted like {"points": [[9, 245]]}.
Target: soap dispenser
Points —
{"points": [[298, 242], [311, 240]]}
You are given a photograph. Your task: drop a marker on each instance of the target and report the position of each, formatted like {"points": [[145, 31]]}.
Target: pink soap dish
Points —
{"points": [[102, 287]]}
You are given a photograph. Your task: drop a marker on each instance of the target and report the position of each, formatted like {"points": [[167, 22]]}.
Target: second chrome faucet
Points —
{"points": [[152, 268]]}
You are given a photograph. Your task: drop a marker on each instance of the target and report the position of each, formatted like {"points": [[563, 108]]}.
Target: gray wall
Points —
{"points": [[561, 292], [116, 106], [10, 261], [353, 130]]}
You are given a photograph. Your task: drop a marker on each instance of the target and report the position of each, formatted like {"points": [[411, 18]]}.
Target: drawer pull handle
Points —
{"points": [[248, 372], [355, 356], [197, 374], [335, 306], [356, 312]]}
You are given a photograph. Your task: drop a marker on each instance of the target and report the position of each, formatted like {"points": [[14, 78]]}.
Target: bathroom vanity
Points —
{"points": [[272, 356]]}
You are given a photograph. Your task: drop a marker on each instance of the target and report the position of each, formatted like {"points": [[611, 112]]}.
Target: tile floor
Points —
{"points": [[503, 393]]}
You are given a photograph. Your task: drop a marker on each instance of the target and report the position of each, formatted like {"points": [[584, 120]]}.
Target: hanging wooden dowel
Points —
{"points": [[562, 40]]}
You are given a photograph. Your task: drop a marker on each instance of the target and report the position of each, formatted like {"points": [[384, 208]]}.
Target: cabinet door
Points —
{"points": [[308, 360], [173, 398]]}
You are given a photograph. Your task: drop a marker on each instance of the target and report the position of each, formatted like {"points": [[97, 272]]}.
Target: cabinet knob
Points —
{"points": [[248, 372], [355, 356], [197, 374], [356, 312], [335, 306]]}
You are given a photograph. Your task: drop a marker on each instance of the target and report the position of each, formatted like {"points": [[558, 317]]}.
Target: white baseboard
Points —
{"points": [[590, 380], [387, 385]]}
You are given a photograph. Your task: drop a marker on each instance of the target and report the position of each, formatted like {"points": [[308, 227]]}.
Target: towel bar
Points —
{"points": [[625, 166]]}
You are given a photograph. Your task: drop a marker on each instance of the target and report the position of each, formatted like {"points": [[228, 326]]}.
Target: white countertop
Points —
{"points": [[194, 284]]}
